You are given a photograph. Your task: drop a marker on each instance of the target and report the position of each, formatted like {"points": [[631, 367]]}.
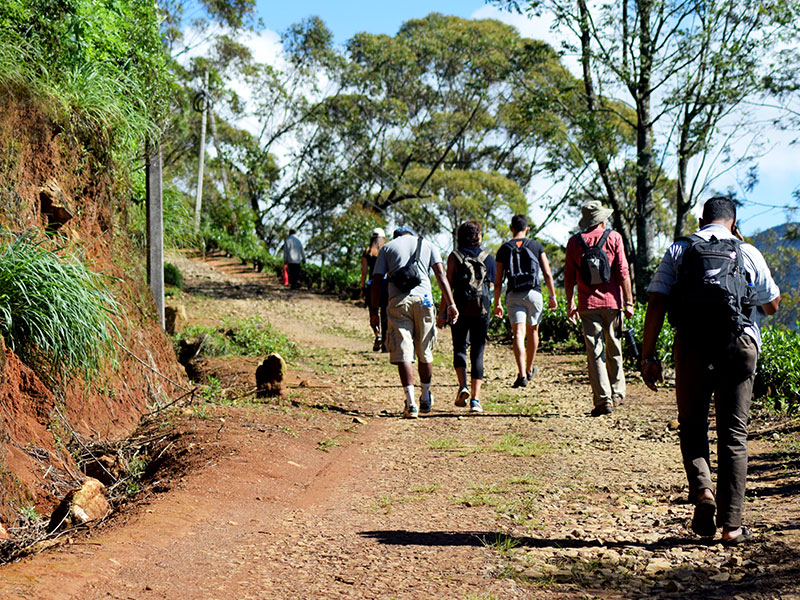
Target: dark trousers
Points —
{"points": [[293, 270], [727, 373], [470, 332]]}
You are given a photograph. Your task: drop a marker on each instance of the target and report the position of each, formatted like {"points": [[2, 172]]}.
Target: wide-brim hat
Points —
{"points": [[378, 232], [593, 212]]}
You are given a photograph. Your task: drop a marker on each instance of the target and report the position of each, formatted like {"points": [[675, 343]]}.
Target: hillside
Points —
{"points": [[780, 246], [52, 180]]}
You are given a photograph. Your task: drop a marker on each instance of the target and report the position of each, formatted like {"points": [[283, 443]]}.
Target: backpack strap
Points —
{"points": [[603, 238], [419, 249], [482, 256]]}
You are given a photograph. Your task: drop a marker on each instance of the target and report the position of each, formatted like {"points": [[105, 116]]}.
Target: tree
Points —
{"points": [[685, 67]]}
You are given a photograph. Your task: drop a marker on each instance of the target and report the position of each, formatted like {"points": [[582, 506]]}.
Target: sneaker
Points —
{"points": [[521, 381], [378, 343], [475, 406], [534, 371], [462, 397], [425, 403], [411, 412], [603, 409], [618, 400]]}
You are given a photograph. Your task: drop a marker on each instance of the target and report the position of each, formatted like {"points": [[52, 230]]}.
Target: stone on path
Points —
{"points": [[85, 504], [270, 375], [175, 318]]}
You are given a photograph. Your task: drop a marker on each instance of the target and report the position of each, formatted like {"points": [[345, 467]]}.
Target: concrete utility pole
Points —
{"points": [[155, 228], [198, 202]]}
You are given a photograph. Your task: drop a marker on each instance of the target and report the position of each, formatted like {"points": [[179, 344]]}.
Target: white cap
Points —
{"points": [[378, 232]]}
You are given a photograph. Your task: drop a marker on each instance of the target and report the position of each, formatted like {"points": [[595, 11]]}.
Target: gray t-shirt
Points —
{"points": [[754, 263], [397, 253]]}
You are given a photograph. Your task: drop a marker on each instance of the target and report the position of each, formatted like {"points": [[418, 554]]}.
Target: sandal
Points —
{"points": [[703, 520], [739, 539]]}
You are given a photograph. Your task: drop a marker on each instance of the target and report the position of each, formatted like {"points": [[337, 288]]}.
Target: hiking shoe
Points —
{"points": [[411, 412], [378, 343], [475, 406], [425, 403], [521, 381], [462, 397], [603, 409], [534, 371]]}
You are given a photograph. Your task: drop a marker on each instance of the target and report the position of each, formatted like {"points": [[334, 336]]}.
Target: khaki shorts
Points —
{"points": [[412, 330]]}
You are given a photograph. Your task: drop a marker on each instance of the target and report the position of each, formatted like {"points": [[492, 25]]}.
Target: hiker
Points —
{"points": [[522, 260], [368, 260], [717, 341], [293, 257], [595, 260], [406, 262], [470, 272]]}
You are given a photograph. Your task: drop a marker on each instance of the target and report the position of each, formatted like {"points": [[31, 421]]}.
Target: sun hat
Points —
{"points": [[378, 232], [593, 212], [402, 231]]}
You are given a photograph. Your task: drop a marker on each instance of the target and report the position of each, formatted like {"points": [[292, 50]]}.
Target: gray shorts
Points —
{"points": [[524, 307]]}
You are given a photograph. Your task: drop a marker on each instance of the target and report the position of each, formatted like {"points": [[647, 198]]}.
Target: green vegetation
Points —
{"points": [[514, 445], [240, 337], [778, 376], [100, 68], [54, 312], [173, 275]]}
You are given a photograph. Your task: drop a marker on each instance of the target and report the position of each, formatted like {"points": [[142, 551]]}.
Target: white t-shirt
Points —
{"points": [[754, 263]]}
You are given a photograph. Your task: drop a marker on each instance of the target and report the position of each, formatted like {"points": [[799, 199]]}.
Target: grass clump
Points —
{"points": [[54, 312], [241, 337]]}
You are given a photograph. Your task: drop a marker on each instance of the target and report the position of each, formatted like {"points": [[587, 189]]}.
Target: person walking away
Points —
{"points": [[293, 256], [407, 261], [595, 260], [368, 260], [470, 272], [712, 285], [522, 261]]}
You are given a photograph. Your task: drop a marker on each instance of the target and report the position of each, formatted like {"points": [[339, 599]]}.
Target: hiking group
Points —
{"points": [[712, 286]]}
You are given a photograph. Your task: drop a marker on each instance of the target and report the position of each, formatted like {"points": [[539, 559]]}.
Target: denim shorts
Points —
{"points": [[524, 307]]}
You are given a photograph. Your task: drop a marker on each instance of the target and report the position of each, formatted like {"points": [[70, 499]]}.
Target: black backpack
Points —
{"points": [[713, 297], [469, 285], [407, 277], [523, 268], [595, 268]]}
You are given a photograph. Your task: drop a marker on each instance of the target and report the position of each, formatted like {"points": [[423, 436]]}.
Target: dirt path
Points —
{"points": [[533, 499]]}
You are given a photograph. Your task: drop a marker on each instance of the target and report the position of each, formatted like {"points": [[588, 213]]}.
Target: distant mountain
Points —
{"points": [[780, 246]]}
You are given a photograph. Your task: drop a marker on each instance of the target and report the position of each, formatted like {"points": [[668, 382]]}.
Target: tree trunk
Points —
{"points": [[600, 158], [645, 226]]}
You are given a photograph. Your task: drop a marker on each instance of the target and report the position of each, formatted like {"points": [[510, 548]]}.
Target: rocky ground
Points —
{"points": [[327, 493]]}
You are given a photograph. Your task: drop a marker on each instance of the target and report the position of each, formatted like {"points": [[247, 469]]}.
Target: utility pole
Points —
{"points": [[203, 100], [155, 227]]}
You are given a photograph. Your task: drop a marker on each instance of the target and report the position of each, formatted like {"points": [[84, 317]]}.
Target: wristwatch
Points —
{"points": [[651, 359]]}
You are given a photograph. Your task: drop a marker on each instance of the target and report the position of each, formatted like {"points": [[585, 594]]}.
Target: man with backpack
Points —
{"points": [[712, 285], [406, 262], [523, 263], [470, 271], [595, 260]]}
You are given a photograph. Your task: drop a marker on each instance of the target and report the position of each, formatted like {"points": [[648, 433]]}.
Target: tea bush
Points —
{"points": [[777, 383]]}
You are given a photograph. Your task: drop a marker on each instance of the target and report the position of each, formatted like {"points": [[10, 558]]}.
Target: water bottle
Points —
{"points": [[426, 301]]}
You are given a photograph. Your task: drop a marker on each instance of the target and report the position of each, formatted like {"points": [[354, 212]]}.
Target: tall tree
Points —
{"points": [[684, 66]]}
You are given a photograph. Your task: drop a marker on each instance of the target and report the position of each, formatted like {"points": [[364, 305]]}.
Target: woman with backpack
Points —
{"points": [[471, 272], [368, 260]]}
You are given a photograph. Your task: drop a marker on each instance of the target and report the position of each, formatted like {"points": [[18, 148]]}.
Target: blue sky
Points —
{"points": [[779, 171], [348, 17]]}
